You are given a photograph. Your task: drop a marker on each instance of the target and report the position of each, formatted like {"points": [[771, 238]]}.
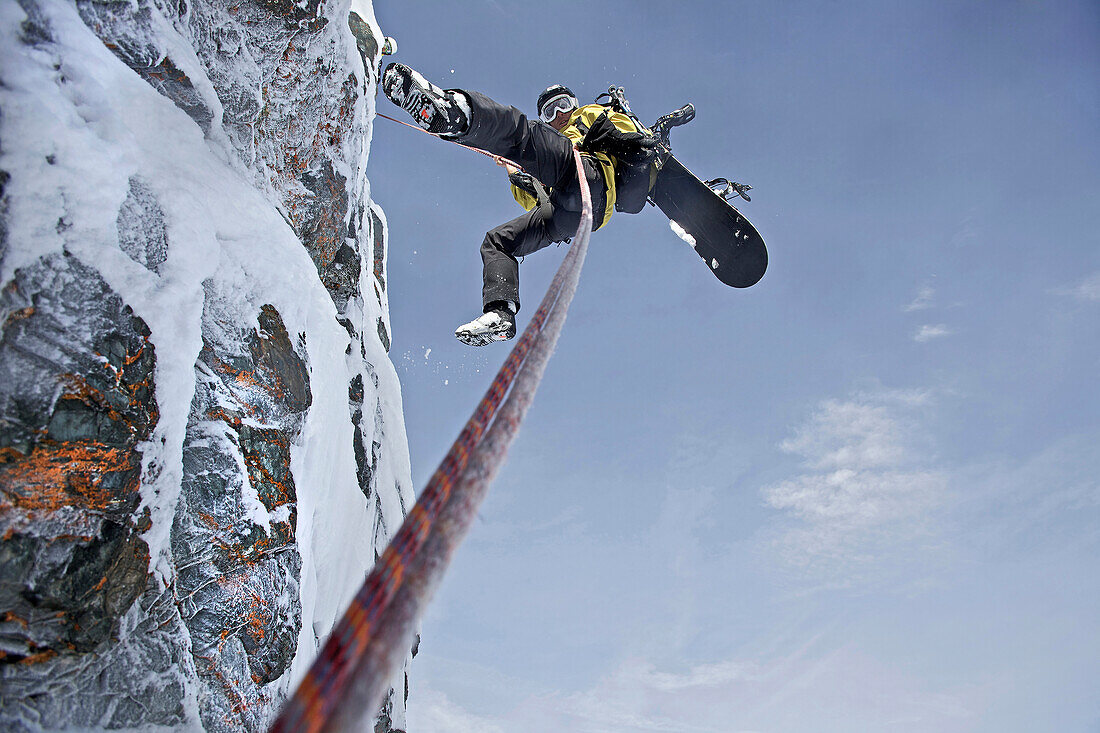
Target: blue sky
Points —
{"points": [[861, 495]]}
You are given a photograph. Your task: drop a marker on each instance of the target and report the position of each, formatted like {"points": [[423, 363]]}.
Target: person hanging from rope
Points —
{"points": [[618, 163]]}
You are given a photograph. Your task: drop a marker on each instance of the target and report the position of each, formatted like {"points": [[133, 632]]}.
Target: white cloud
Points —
{"points": [[1088, 290], [900, 397], [847, 517], [863, 479], [703, 675], [923, 299], [847, 433], [849, 499], [781, 689], [432, 710], [928, 332]]}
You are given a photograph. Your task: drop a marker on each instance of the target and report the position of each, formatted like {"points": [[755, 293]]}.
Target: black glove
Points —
{"points": [[523, 181], [526, 182], [604, 137]]}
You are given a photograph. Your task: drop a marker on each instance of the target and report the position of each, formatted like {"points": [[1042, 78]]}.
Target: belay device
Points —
{"points": [[729, 244]]}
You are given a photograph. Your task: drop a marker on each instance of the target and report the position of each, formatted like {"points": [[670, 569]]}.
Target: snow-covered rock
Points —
{"points": [[202, 448]]}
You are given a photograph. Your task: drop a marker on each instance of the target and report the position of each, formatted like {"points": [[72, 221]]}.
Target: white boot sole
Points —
{"points": [[483, 334]]}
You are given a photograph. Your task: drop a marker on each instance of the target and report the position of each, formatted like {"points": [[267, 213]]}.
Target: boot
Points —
{"points": [[498, 323], [437, 111]]}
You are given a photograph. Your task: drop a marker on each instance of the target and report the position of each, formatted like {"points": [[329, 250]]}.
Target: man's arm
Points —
{"points": [[617, 135], [525, 189]]}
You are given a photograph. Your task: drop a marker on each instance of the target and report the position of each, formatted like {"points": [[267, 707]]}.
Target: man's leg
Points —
{"points": [[500, 292], [502, 130], [499, 252], [476, 120], [517, 238], [542, 151]]}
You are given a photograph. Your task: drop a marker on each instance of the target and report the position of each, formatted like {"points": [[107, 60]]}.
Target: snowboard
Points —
{"points": [[728, 243]]}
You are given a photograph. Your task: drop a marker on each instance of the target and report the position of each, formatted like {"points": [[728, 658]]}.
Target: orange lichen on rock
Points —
{"points": [[208, 519], [38, 658], [57, 475], [275, 373], [279, 488], [18, 315], [137, 393], [11, 617], [259, 616], [7, 455]]}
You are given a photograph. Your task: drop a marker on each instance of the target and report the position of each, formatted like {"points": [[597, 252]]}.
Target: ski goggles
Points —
{"points": [[560, 103]]}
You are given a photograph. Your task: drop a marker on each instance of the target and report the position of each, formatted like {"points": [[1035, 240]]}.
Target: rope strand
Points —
{"points": [[346, 682]]}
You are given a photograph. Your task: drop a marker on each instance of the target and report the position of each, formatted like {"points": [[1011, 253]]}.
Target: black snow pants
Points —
{"points": [[548, 156]]}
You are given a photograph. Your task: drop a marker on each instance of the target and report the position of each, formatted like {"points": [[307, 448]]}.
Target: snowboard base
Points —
{"points": [[726, 241]]}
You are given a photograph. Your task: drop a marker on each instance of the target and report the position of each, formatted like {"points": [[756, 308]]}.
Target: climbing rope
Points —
{"points": [[344, 687]]}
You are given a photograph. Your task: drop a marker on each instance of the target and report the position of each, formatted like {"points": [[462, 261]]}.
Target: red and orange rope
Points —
{"points": [[354, 668]]}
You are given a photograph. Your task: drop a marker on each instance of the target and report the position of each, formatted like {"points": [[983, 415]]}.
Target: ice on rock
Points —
{"points": [[193, 357]]}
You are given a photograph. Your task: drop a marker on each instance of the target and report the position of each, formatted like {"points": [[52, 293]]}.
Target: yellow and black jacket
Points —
{"points": [[579, 123]]}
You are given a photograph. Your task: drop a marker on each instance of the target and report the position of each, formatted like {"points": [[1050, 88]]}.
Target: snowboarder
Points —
{"points": [[618, 166]]}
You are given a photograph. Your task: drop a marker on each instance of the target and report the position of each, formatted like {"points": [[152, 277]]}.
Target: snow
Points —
{"points": [[681, 233], [85, 125]]}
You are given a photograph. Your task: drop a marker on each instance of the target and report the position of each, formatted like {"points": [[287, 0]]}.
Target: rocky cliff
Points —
{"points": [[201, 441]]}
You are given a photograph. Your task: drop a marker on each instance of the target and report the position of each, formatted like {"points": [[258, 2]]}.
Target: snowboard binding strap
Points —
{"points": [[616, 97], [727, 189]]}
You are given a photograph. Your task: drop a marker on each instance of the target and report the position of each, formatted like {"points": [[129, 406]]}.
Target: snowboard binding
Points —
{"points": [[727, 189], [616, 97]]}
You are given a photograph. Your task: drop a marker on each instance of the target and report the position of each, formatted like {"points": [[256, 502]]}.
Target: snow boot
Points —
{"points": [[439, 112], [498, 323], [663, 126]]}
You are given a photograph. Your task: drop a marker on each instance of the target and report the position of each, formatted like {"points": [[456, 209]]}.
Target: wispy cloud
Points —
{"points": [[923, 300], [1087, 290], [843, 434], [928, 332], [434, 711], [780, 689], [863, 478], [968, 231], [703, 675]]}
